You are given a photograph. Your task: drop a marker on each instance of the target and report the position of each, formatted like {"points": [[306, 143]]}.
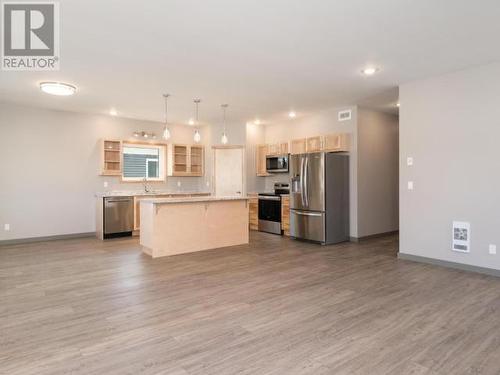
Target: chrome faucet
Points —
{"points": [[146, 190]]}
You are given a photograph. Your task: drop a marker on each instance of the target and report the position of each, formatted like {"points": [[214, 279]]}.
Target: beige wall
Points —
{"points": [[378, 160], [49, 165], [450, 126]]}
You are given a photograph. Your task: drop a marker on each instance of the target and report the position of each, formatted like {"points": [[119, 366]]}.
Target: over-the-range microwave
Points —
{"points": [[277, 164]]}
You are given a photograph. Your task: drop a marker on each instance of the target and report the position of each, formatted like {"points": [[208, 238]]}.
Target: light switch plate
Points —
{"points": [[410, 185], [409, 161], [492, 249], [6, 227]]}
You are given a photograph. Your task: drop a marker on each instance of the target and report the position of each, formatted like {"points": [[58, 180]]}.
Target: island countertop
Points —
{"points": [[210, 198], [134, 193]]}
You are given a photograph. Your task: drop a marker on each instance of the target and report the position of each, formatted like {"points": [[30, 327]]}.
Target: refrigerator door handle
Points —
{"points": [[302, 180], [307, 213], [306, 182]]}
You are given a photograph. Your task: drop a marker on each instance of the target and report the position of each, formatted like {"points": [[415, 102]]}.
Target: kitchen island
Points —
{"points": [[171, 226]]}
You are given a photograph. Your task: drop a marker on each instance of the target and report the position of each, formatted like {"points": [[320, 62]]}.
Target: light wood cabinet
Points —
{"points": [[277, 149], [285, 214], [111, 157], [314, 144], [336, 142], [186, 160], [253, 211], [298, 146], [260, 159]]}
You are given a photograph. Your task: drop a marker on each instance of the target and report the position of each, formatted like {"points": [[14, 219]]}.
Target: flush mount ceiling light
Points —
{"points": [[197, 136], [292, 114], [113, 112], [369, 70], [224, 138], [166, 131], [57, 88]]}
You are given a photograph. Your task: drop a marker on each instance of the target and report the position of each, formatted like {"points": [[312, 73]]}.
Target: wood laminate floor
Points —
{"points": [[276, 306]]}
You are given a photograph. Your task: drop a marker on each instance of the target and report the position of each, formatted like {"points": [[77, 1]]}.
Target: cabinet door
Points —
{"points": [[260, 162], [196, 161], [253, 213], [283, 148], [298, 146], [336, 142], [111, 158], [313, 144], [273, 149], [180, 160], [285, 215]]}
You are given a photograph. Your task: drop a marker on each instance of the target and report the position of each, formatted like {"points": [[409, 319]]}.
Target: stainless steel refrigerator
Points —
{"points": [[319, 197]]}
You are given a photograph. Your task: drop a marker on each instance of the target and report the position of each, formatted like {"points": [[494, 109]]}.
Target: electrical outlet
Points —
{"points": [[6, 227], [409, 161], [410, 185], [179, 184], [492, 249], [105, 184]]}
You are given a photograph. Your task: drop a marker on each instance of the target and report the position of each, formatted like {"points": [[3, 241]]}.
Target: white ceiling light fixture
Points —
{"points": [[292, 114], [191, 121], [369, 70], [113, 112], [257, 121], [224, 138], [197, 135], [57, 88], [166, 131]]}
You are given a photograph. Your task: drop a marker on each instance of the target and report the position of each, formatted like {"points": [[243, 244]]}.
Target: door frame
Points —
{"points": [[243, 166]]}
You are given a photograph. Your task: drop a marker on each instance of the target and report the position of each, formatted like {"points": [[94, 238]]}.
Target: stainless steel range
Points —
{"points": [[270, 208]]}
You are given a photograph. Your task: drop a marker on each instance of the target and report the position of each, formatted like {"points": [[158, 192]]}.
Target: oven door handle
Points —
{"points": [[265, 198]]}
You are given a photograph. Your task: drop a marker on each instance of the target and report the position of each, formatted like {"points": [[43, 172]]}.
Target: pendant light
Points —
{"points": [[197, 135], [166, 131], [224, 139]]}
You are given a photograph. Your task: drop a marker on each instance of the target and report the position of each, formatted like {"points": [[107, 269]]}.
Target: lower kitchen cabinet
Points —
{"points": [[285, 214], [253, 212]]}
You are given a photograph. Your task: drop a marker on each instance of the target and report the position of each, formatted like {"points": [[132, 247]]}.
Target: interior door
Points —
{"points": [[228, 174]]}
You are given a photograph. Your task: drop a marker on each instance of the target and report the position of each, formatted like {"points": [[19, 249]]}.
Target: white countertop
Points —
{"points": [[191, 199], [133, 193]]}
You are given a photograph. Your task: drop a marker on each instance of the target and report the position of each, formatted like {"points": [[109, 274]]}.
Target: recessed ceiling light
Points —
{"points": [[57, 88], [257, 121], [113, 112], [292, 114], [397, 104], [369, 71], [191, 121]]}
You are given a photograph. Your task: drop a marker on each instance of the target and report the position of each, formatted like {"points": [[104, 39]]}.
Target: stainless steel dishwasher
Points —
{"points": [[118, 216]]}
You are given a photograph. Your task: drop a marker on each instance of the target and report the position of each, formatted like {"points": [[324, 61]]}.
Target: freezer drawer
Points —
{"points": [[307, 225], [118, 215]]}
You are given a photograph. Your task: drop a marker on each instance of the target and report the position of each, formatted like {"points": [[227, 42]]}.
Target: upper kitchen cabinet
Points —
{"points": [[298, 146], [313, 144], [261, 152], [278, 149], [111, 155], [336, 142], [186, 160]]}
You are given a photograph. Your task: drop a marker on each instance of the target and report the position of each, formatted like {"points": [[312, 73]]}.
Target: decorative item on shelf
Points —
{"points": [[166, 131], [144, 135], [224, 138], [197, 136]]}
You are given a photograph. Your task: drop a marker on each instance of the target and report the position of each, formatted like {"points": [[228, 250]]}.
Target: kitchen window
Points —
{"points": [[143, 162]]}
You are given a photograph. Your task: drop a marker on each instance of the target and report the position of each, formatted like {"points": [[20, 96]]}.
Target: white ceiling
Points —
{"points": [[261, 57]]}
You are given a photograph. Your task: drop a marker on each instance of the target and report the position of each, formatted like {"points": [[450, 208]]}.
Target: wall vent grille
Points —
{"points": [[345, 115], [461, 237]]}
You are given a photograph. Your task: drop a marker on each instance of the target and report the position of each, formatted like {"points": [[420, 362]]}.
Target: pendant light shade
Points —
{"points": [[224, 138], [197, 135], [166, 131]]}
